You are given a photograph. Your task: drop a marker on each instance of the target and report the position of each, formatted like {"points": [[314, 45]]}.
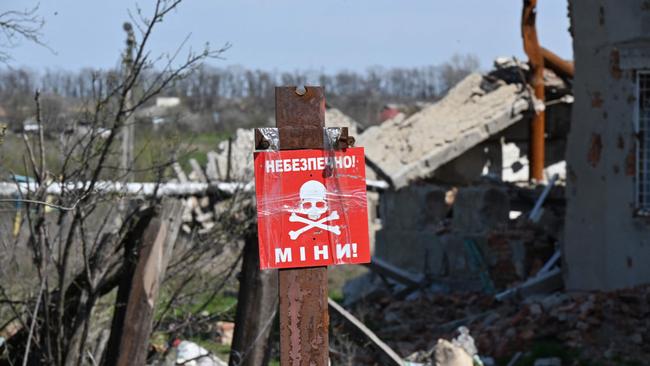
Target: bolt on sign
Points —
{"points": [[311, 207]]}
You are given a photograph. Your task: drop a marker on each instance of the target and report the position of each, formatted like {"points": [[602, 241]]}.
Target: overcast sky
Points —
{"points": [[295, 34]]}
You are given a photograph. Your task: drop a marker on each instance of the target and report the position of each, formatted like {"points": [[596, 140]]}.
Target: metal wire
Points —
{"points": [[643, 146]]}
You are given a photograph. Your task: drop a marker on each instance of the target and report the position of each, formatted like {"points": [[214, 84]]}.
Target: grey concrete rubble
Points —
{"points": [[241, 147], [240, 160], [457, 215], [335, 118], [418, 145], [454, 194]]}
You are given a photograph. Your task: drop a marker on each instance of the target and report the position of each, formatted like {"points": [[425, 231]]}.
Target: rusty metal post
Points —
{"points": [[536, 60], [304, 318], [554, 62]]}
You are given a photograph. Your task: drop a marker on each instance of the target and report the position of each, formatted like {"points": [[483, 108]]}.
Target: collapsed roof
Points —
{"points": [[402, 150]]}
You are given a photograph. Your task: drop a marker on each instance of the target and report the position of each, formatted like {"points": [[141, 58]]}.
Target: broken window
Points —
{"points": [[643, 145]]}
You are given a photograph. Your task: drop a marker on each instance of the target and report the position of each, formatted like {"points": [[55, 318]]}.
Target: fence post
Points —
{"points": [[304, 318], [257, 306], [129, 345]]}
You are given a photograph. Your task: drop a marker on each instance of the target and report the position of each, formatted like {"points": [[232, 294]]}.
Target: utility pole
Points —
{"points": [[128, 130]]}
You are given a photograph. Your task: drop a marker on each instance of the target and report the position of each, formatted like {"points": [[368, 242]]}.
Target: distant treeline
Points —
{"points": [[212, 89]]}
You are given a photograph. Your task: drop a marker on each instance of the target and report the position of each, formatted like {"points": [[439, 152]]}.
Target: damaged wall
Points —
{"points": [[423, 234], [607, 245], [454, 143]]}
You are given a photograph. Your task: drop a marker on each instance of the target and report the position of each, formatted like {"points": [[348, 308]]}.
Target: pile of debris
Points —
{"points": [[611, 326]]}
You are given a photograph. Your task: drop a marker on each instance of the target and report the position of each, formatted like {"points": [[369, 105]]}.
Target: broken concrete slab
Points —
{"points": [[417, 146], [237, 164]]}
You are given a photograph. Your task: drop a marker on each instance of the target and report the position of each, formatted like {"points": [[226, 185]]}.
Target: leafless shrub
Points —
{"points": [[343, 351], [17, 25], [79, 253]]}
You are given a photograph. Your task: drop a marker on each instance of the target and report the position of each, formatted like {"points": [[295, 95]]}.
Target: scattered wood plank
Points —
{"points": [[157, 246], [257, 306]]}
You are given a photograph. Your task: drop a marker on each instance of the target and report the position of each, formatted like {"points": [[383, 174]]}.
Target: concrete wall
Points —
{"points": [[605, 245], [412, 237], [409, 217]]}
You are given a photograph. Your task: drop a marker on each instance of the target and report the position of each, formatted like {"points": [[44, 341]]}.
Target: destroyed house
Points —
{"points": [[453, 170]]}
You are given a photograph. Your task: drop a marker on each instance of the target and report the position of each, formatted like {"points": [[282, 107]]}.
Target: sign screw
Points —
{"points": [[301, 90]]}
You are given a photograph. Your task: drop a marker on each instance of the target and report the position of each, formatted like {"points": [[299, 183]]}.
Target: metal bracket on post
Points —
{"points": [[264, 138]]}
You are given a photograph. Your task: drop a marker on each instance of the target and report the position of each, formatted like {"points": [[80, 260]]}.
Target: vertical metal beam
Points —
{"points": [[561, 67], [536, 60], [304, 318]]}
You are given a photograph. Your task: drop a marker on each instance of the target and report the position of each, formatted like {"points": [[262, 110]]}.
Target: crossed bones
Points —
{"points": [[311, 224]]}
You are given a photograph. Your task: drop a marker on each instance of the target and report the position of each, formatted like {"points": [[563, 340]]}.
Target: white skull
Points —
{"points": [[312, 199]]}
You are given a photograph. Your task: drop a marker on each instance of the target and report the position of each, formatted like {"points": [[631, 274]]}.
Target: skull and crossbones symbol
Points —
{"points": [[313, 204]]}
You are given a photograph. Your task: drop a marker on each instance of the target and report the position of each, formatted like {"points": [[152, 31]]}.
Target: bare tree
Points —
{"points": [[78, 254], [19, 25]]}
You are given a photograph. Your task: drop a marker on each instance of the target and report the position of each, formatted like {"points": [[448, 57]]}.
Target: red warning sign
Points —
{"points": [[311, 208]]}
